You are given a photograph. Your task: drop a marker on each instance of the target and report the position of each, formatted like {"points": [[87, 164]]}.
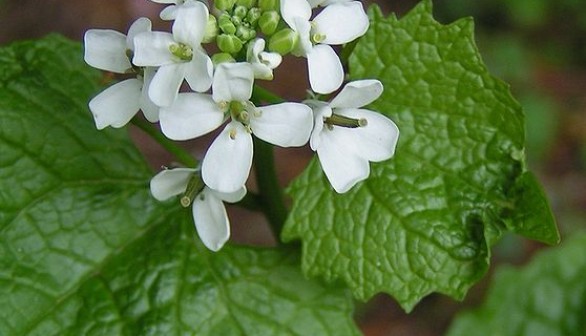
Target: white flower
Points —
{"points": [[179, 55], [109, 50], [209, 214], [338, 23], [227, 162], [262, 62], [170, 12], [346, 137]]}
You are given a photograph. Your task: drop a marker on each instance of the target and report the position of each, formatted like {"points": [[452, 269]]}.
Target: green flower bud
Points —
{"points": [[229, 43], [211, 30], [240, 11], [283, 41], [268, 5], [236, 20], [245, 34], [220, 58], [268, 22], [246, 3], [181, 51], [253, 15], [224, 5], [226, 25]]}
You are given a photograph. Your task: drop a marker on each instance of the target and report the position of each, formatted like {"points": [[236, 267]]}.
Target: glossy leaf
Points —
{"points": [[424, 220], [86, 250]]}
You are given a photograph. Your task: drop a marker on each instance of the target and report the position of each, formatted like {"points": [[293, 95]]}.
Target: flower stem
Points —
{"points": [[261, 94], [270, 192], [180, 154]]}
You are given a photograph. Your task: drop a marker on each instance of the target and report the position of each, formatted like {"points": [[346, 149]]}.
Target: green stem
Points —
{"points": [[270, 192], [180, 154], [261, 94]]}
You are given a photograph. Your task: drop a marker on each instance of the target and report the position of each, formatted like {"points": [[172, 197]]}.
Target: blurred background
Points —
{"points": [[537, 46]]}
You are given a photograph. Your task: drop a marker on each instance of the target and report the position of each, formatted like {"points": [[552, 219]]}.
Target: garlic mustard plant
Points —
{"points": [[372, 206], [251, 38]]}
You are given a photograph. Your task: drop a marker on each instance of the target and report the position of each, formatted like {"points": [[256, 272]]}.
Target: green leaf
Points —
{"points": [[424, 220], [546, 297], [85, 250]]}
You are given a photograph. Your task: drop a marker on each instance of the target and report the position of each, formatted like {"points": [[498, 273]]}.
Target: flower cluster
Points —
{"points": [[250, 37]]}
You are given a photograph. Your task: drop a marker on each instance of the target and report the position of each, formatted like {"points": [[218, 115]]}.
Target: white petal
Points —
{"points": [[271, 59], [199, 71], [342, 167], [321, 110], [231, 197], [232, 82], [191, 115], [116, 105], [190, 23], [315, 3], [285, 125], [152, 49], [141, 25], [358, 93], [291, 9], [165, 1], [254, 49], [169, 13], [170, 182], [211, 220], [341, 22], [325, 70], [262, 62], [106, 50], [149, 109], [262, 71], [303, 28], [377, 140], [165, 84], [227, 162]]}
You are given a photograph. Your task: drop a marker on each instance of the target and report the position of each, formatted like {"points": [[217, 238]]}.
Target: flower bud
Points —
{"points": [[229, 43], [245, 34], [253, 15], [246, 3], [226, 25], [240, 11], [220, 58], [224, 5], [283, 41], [268, 22], [268, 5], [211, 30]]}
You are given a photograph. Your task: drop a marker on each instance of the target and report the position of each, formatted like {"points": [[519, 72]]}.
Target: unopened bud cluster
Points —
{"points": [[250, 37]]}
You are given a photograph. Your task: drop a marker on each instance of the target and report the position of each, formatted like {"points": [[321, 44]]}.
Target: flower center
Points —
{"points": [[342, 121], [181, 51], [317, 38], [314, 36], [194, 187]]}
